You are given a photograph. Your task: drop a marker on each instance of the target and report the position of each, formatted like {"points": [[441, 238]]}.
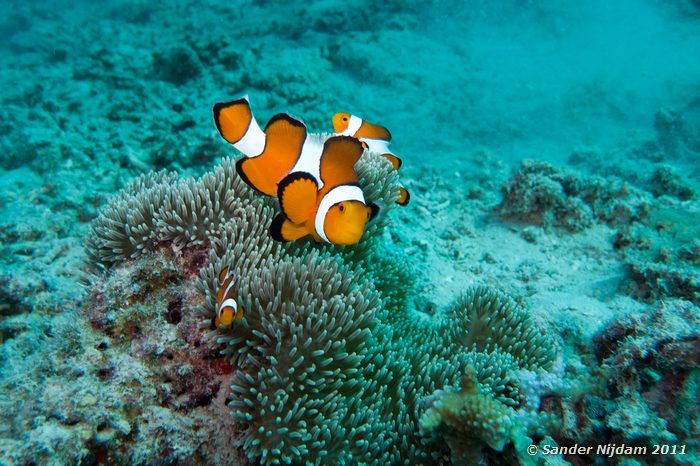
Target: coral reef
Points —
{"points": [[317, 345], [177, 65], [646, 389], [550, 197], [120, 371], [331, 365], [127, 381], [676, 129]]}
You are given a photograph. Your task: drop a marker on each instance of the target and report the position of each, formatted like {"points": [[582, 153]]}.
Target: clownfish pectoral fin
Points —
{"points": [[285, 137], [394, 160], [297, 194], [282, 229], [340, 154], [404, 196]]}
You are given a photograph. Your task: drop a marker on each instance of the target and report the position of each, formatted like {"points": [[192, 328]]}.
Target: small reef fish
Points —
{"points": [[374, 137], [313, 176], [227, 309]]}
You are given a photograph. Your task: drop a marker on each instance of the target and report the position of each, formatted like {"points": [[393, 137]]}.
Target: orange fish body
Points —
{"points": [[334, 213], [312, 176], [376, 138], [227, 309]]}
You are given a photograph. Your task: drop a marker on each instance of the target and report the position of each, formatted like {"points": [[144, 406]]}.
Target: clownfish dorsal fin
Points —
{"points": [[340, 154], [284, 139], [297, 194], [283, 229]]}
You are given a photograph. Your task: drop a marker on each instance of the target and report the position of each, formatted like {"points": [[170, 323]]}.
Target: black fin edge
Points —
{"points": [[241, 173], [276, 228], [374, 211], [397, 158], [287, 117], [351, 139], [387, 132]]}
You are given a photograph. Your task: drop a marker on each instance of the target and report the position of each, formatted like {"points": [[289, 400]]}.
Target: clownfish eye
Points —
{"points": [[345, 118], [342, 208]]}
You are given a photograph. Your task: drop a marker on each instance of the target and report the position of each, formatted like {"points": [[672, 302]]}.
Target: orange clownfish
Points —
{"points": [[335, 213], [227, 309], [312, 176], [376, 138]]}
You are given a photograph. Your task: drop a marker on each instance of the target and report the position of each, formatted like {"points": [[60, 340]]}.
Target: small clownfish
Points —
{"points": [[312, 176], [374, 137], [227, 309]]}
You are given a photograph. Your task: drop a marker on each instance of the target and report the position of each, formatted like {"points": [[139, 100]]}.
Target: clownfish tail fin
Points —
{"points": [[394, 160], [233, 118], [404, 196], [282, 229]]}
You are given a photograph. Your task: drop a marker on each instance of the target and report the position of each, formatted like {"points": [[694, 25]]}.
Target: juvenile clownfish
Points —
{"points": [[376, 138], [227, 309], [312, 176]]}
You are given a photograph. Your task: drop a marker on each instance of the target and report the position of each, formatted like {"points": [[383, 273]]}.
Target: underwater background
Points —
{"points": [[541, 288]]}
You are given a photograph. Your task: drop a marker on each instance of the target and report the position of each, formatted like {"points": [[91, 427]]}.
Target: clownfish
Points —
{"points": [[376, 138], [312, 176], [335, 213], [227, 309]]}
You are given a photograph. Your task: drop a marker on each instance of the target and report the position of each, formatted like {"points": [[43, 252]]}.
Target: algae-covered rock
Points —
{"points": [[667, 182], [651, 364], [662, 254], [547, 196]]}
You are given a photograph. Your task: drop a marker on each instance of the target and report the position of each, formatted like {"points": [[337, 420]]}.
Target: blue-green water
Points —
{"points": [[596, 235]]}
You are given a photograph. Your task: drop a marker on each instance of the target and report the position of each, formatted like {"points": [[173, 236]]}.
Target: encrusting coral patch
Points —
{"points": [[468, 417], [330, 364]]}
